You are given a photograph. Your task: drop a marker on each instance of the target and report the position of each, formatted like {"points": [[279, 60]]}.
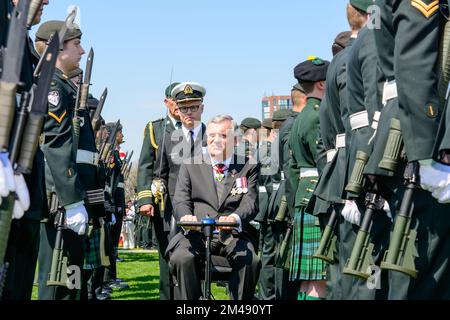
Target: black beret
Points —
{"points": [[48, 28], [251, 123], [311, 70]]}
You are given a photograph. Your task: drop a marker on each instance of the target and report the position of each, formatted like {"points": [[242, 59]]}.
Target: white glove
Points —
{"points": [[77, 219], [8, 183], [442, 195], [23, 203], [434, 175], [388, 211], [351, 212], [113, 219]]}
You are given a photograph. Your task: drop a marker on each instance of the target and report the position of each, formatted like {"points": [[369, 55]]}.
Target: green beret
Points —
{"points": [[188, 91], [170, 88], [251, 123], [312, 70], [281, 115], [267, 123], [362, 5], [48, 28]]}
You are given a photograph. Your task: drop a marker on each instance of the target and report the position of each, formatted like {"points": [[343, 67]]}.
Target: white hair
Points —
{"points": [[222, 118]]}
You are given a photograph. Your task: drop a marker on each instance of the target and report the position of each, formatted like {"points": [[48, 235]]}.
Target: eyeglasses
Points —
{"points": [[191, 108]]}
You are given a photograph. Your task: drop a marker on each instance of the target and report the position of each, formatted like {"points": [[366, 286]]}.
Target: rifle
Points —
{"points": [[12, 66], [328, 241], [126, 166], [81, 103], [361, 257], [96, 118], [58, 271], [108, 143], [284, 247], [401, 252]]}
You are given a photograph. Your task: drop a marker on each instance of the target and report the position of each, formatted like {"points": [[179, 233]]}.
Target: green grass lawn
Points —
{"points": [[141, 271]]}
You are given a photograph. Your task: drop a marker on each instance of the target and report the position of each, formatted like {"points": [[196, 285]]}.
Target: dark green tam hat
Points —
{"points": [[170, 88], [281, 115], [48, 28], [312, 70], [251, 123], [267, 123], [362, 5]]}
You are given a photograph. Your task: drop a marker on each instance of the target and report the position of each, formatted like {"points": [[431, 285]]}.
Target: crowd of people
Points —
{"points": [[343, 197]]}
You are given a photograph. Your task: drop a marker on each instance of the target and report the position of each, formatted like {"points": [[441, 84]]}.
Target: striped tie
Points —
{"points": [[220, 170]]}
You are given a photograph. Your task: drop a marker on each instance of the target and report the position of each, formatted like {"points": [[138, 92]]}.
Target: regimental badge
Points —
{"points": [[54, 98], [188, 90]]}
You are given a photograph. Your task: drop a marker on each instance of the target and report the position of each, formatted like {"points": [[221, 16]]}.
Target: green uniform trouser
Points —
{"points": [[432, 221], [73, 249], [162, 240], [269, 242], [21, 254]]}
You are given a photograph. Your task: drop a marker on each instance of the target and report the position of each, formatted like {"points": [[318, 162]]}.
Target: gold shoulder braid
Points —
{"points": [[152, 136]]}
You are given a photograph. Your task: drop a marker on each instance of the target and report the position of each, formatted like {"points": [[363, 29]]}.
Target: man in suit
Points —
{"points": [[223, 186], [155, 133]]}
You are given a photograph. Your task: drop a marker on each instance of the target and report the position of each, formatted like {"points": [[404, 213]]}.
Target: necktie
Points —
{"points": [[220, 170], [191, 134]]}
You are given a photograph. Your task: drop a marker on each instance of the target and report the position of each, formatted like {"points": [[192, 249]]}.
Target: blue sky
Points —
{"points": [[238, 50]]}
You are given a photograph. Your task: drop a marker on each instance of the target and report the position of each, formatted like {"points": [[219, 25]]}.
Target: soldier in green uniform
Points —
{"points": [[154, 133], [411, 94], [249, 133], [23, 244], [278, 205], [270, 172], [116, 187], [329, 190], [71, 173], [303, 176]]}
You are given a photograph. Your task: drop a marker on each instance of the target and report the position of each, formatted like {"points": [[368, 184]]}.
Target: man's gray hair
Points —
{"points": [[221, 118]]}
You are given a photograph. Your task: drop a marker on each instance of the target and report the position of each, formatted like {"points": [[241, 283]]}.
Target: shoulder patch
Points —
{"points": [[426, 9], [54, 98]]}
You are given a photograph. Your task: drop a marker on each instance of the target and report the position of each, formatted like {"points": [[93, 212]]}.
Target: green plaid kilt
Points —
{"points": [[305, 242], [92, 259]]}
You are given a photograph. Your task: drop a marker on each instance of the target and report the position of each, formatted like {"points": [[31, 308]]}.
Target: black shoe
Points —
{"points": [[119, 259], [103, 296], [107, 290], [119, 280], [119, 286]]}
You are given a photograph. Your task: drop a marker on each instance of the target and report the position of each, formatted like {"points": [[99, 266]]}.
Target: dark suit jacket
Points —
{"points": [[196, 192], [173, 153]]}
